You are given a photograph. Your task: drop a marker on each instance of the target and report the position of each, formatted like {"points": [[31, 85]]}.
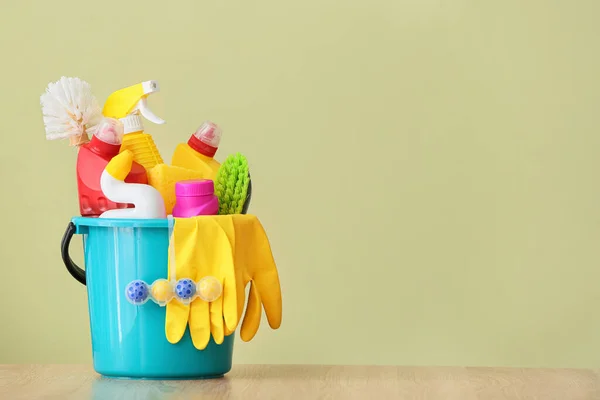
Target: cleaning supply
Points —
{"points": [[163, 178], [147, 201], [70, 110], [232, 184], [209, 289], [162, 291], [127, 105], [92, 159], [198, 153], [202, 249], [255, 265], [236, 250], [195, 197]]}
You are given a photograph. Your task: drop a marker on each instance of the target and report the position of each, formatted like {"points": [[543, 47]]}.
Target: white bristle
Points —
{"points": [[69, 109]]}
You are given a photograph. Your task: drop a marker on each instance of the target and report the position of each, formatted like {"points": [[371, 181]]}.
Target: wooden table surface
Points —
{"points": [[307, 382]]}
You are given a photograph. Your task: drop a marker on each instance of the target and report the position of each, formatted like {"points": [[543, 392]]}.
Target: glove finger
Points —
{"points": [[227, 331], [252, 317], [199, 324], [229, 301], [271, 298], [176, 315], [265, 276], [176, 319], [243, 242], [232, 280], [216, 320], [227, 270], [231, 293]]}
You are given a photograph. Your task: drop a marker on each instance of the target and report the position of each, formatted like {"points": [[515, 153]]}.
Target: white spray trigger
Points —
{"points": [[142, 107]]}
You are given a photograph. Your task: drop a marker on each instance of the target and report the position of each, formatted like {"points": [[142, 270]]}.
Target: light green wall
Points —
{"points": [[443, 205]]}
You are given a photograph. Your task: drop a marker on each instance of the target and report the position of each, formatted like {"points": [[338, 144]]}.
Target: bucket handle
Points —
{"points": [[74, 270]]}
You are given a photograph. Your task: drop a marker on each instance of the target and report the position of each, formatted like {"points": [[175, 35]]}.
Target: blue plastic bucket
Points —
{"points": [[129, 341]]}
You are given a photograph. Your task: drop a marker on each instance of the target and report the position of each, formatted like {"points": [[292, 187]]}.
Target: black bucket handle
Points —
{"points": [[74, 270]]}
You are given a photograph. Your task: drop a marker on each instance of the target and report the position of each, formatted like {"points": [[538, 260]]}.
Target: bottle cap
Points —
{"points": [[132, 123], [195, 187], [206, 139], [132, 100], [110, 130]]}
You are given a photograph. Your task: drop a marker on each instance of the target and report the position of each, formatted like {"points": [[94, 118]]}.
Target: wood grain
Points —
{"points": [[307, 382]]}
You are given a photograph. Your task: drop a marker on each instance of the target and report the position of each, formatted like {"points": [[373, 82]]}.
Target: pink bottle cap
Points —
{"points": [[195, 187]]}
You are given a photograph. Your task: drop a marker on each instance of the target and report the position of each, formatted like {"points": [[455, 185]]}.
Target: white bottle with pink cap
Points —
{"points": [[195, 197]]}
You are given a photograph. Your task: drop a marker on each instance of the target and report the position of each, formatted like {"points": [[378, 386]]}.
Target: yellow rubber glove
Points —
{"points": [[254, 263], [203, 249], [204, 246]]}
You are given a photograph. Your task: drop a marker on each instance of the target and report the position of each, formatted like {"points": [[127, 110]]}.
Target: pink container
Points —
{"points": [[195, 197]]}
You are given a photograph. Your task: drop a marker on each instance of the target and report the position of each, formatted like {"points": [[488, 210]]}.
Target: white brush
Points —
{"points": [[70, 110]]}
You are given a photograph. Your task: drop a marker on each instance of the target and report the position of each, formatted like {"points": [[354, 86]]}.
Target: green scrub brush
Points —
{"points": [[231, 185]]}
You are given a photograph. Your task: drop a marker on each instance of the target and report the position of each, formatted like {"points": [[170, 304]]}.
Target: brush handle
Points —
{"points": [[248, 196]]}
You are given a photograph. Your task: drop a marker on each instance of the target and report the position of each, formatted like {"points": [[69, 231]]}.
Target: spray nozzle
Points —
{"points": [[148, 88], [142, 107], [125, 104]]}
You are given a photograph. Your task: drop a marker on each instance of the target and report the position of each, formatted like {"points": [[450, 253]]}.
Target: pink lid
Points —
{"points": [[196, 187]]}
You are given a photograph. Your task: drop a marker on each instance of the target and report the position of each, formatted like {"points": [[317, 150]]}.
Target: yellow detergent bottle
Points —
{"points": [[197, 154], [127, 105]]}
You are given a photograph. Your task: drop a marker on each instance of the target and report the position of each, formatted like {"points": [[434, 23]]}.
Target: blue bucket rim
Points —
{"points": [[120, 223]]}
